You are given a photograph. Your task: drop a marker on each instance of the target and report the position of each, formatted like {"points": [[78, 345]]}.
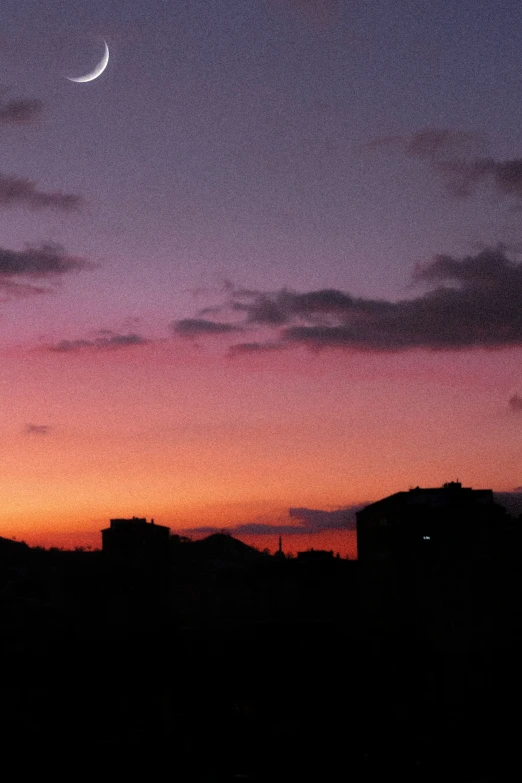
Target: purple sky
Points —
{"points": [[226, 140]]}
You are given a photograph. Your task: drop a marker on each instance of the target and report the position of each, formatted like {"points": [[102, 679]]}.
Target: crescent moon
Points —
{"points": [[89, 77]]}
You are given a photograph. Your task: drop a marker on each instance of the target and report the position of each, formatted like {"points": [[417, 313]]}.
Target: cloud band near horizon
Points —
{"points": [[308, 521], [470, 302]]}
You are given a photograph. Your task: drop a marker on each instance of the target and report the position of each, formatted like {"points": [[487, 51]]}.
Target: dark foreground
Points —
{"points": [[261, 670]]}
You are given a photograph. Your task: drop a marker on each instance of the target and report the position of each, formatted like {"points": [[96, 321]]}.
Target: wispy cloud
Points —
{"points": [[515, 403], [20, 111], [458, 159], [37, 429], [15, 191]]}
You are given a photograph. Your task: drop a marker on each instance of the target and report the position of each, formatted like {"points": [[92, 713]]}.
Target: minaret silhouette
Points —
{"points": [[280, 555]]}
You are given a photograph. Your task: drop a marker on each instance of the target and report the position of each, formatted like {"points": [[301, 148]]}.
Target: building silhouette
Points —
{"points": [[135, 541], [451, 521]]}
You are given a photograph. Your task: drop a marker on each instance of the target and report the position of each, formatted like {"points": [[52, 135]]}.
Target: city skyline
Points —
{"points": [[265, 267]]}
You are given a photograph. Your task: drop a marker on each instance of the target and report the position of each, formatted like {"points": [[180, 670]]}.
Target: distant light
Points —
{"points": [[427, 538]]}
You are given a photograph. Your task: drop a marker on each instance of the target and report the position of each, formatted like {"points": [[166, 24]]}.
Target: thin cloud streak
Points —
{"points": [[37, 429], [20, 112], [15, 191], [196, 327], [103, 343], [255, 347]]}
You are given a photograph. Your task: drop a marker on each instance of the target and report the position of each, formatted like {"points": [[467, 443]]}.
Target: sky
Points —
{"points": [[265, 269]]}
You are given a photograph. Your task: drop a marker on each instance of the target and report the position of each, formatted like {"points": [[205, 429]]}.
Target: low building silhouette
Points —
{"points": [[136, 541], [443, 522]]}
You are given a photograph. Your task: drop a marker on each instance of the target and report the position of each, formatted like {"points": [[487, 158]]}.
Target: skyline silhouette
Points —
{"points": [[210, 654], [315, 529]]}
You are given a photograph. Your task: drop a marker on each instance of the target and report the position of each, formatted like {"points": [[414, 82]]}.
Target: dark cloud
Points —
{"points": [[275, 309], [20, 111], [462, 178], [37, 429], [475, 301], [515, 403], [457, 158], [15, 191], [195, 327], [20, 268], [307, 521], [45, 261], [106, 341]]}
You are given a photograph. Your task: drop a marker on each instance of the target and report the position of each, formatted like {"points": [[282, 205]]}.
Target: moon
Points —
{"points": [[92, 75]]}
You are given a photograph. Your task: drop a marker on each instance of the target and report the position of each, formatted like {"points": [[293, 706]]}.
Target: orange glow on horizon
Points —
{"points": [[204, 441]]}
